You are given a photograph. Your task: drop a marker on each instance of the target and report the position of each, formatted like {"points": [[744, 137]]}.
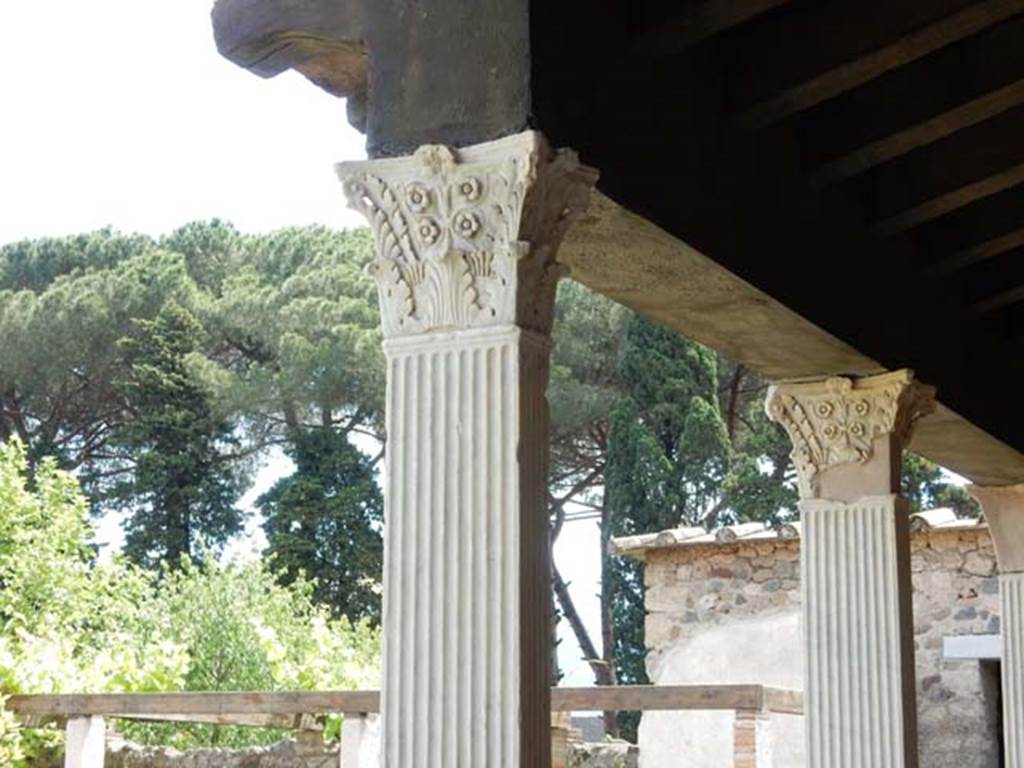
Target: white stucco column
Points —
{"points": [[1004, 512], [85, 742], [848, 436], [466, 271]]}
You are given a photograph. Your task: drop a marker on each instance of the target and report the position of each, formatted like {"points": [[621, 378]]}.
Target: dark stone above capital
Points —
{"points": [[322, 39]]}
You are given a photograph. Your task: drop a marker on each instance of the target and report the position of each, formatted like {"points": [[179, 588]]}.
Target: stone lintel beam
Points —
{"points": [[322, 39], [628, 258], [1004, 513]]}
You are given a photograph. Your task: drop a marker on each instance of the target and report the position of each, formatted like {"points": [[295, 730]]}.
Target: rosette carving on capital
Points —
{"points": [[836, 421], [467, 238]]}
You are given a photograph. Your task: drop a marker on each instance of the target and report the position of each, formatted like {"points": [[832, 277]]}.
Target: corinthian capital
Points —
{"points": [[836, 421], [467, 237]]}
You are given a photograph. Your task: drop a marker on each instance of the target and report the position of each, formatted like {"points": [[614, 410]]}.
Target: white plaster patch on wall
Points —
{"points": [[729, 613], [752, 649]]}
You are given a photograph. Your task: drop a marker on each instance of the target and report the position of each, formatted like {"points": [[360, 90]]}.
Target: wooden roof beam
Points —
{"points": [[920, 135], [950, 201], [987, 219], [700, 21], [923, 102], [976, 254], [997, 283], [932, 181], [1000, 300], [915, 43]]}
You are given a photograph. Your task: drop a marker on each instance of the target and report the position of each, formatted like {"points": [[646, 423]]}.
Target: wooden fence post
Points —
{"points": [[751, 739], [86, 742]]}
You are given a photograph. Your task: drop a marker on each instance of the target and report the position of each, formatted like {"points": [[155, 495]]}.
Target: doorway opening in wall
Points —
{"points": [[992, 695]]}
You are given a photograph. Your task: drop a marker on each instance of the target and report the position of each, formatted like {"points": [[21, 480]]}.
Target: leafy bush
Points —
{"points": [[68, 623], [71, 624], [11, 752], [244, 631]]}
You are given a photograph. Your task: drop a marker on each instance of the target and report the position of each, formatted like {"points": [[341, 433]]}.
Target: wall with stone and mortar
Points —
{"points": [[956, 592], [286, 754], [730, 613]]}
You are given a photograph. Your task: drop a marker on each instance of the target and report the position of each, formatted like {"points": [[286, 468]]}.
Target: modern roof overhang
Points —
{"points": [[814, 188]]}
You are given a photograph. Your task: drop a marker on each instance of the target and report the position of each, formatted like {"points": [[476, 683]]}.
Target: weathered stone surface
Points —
{"points": [[451, 72], [621, 255], [956, 698], [122, 754], [285, 754], [322, 39], [612, 755], [466, 272]]}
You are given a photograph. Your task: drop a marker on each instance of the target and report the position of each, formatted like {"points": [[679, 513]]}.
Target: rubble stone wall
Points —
{"points": [[740, 602], [122, 754]]}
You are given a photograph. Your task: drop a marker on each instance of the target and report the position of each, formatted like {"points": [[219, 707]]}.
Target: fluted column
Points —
{"points": [[1004, 512], [848, 436], [466, 275]]}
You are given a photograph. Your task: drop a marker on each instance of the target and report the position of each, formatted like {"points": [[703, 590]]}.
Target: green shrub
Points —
{"points": [[243, 631], [11, 752], [71, 624]]}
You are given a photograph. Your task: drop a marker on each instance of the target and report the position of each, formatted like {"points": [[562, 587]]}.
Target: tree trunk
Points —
{"points": [[611, 721], [604, 672], [733, 406]]}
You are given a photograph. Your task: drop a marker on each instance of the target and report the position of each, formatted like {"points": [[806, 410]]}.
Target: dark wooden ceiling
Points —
{"points": [[861, 161]]}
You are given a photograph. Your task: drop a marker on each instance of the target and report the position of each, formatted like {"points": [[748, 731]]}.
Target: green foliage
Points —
{"points": [[243, 631], [161, 370], [324, 522], [669, 454], [64, 305], [927, 487], [297, 332], [68, 623], [182, 488], [12, 751], [653, 431], [71, 624]]}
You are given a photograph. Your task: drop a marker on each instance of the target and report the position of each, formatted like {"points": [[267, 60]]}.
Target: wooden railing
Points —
{"points": [[84, 714]]}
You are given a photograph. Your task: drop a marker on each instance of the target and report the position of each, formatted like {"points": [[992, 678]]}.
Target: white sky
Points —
{"points": [[121, 113]]}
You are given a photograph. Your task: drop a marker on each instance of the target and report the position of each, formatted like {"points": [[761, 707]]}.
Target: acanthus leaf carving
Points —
{"points": [[467, 238], [836, 421]]}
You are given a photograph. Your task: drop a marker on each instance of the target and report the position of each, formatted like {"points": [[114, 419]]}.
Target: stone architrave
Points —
{"points": [[848, 436], [465, 266], [1004, 513]]}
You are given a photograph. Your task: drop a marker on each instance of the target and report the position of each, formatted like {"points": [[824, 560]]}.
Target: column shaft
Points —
{"points": [[858, 634], [1011, 587], [1004, 513], [85, 742], [466, 275], [848, 435], [466, 667]]}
